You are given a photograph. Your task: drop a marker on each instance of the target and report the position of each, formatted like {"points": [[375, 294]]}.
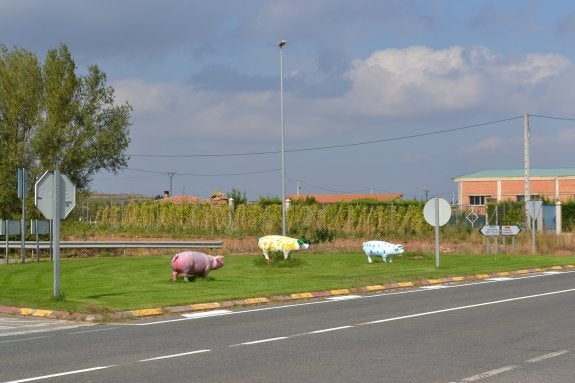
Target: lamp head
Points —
{"points": [[282, 43]]}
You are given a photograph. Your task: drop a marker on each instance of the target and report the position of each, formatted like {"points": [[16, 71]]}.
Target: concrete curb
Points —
{"points": [[135, 314]]}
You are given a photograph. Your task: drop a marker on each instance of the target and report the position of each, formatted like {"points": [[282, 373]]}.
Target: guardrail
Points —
{"points": [[117, 244]]}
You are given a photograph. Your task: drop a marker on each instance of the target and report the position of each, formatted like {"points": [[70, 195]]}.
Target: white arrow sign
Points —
{"points": [[510, 230], [490, 230]]}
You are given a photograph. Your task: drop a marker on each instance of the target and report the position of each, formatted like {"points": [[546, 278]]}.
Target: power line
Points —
{"points": [[204, 175], [405, 137], [329, 190], [443, 131], [552, 118], [331, 146]]}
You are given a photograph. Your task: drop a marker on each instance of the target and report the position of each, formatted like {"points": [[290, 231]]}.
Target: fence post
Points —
{"points": [[231, 211], [558, 218]]}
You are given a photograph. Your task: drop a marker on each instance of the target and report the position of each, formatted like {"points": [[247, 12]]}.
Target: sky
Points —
{"points": [[379, 96]]}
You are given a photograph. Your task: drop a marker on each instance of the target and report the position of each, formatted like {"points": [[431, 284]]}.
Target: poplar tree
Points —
{"points": [[51, 118]]}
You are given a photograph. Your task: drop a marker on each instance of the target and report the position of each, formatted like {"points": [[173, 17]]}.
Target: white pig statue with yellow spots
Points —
{"points": [[273, 243]]}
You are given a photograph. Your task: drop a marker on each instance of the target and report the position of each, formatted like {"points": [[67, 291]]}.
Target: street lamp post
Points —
{"points": [[281, 44]]}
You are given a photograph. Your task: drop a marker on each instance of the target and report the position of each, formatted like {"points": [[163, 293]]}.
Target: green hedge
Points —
{"points": [[315, 221], [309, 219]]}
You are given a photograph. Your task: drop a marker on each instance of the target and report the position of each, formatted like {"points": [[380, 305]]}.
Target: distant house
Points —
{"points": [[476, 189], [333, 198]]}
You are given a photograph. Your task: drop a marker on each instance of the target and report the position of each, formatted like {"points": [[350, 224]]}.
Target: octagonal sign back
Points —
{"points": [[45, 194]]}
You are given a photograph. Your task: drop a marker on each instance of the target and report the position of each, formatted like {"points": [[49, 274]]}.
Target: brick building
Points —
{"points": [[476, 189]]}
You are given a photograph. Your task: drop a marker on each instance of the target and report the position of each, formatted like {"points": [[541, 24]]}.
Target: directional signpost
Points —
{"points": [[55, 198], [496, 231], [490, 230], [510, 230], [437, 213]]}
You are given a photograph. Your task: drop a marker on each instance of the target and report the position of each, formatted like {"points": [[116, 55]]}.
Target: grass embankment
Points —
{"points": [[96, 285]]}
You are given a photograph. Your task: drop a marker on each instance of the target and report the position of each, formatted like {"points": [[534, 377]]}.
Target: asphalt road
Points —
{"points": [[517, 330]]}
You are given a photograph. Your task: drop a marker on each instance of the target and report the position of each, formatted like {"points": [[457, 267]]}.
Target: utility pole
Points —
{"points": [[171, 175], [528, 217], [527, 196], [281, 44]]}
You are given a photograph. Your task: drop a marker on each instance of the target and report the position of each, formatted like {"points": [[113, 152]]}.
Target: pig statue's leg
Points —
{"points": [[369, 258], [286, 254], [390, 258], [174, 276], [266, 256], [384, 257]]}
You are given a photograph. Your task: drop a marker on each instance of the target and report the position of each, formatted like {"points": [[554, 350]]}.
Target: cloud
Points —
{"points": [[418, 79], [489, 144], [531, 69], [403, 83], [190, 116], [400, 81], [220, 77]]}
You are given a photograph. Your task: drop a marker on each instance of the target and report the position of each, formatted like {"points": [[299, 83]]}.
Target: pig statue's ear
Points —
{"points": [[300, 241]]}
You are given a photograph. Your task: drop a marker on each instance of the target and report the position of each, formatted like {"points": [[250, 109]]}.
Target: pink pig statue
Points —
{"points": [[194, 263]]}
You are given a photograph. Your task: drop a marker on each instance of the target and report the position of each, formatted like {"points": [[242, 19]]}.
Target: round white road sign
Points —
{"points": [[444, 211]]}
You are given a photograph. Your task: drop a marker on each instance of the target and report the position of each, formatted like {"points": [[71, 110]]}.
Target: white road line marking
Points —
{"points": [[323, 301], [59, 374], [547, 356], [38, 330], [343, 297], [26, 339], [467, 307], [434, 287], [328, 330], [260, 341], [89, 331], [174, 355], [499, 279], [488, 374], [204, 314]]}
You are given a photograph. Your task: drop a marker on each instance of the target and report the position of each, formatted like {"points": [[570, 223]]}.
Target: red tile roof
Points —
{"points": [[332, 198]]}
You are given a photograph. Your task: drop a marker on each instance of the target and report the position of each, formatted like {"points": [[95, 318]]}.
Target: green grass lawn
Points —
{"points": [[101, 284]]}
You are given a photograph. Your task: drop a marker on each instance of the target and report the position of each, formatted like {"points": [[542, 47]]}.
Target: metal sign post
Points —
{"points": [[510, 231], [56, 232], [490, 231], [22, 193], [55, 198], [437, 213]]}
